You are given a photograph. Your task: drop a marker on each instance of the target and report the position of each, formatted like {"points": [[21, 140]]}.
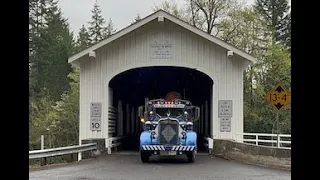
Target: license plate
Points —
{"points": [[168, 153]]}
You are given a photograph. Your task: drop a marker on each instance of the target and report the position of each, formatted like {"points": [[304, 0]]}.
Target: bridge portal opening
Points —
{"points": [[130, 88]]}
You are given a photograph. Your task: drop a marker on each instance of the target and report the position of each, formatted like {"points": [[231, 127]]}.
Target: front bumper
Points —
{"points": [[167, 148]]}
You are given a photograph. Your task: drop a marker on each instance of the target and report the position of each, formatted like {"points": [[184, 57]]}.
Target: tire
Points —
{"points": [[191, 157], [144, 156]]}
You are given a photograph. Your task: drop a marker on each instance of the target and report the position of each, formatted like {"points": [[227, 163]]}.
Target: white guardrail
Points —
{"points": [[266, 139], [43, 153], [61, 151]]}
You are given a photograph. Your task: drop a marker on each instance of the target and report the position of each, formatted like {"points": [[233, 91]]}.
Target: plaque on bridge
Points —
{"points": [[225, 108], [95, 110], [161, 51], [225, 124], [95, 116]]}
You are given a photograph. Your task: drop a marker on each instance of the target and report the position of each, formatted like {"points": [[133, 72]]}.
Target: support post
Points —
{"points": [[202, 119], [206, 119], [278, 139], [44, 160], [127, 119], [132, 120], [119, 118]]}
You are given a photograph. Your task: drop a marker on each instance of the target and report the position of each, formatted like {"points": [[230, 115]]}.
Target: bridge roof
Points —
{"points": [[170, 18]]}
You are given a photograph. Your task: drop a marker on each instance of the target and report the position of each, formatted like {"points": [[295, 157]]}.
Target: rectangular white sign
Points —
{"points": [[225, 108], [95, 116], [161, 51], [225, 124], [95, 110], [95, 123]]}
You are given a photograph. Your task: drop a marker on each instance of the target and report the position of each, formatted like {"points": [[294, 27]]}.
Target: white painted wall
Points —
{"points": [[133, 50]]}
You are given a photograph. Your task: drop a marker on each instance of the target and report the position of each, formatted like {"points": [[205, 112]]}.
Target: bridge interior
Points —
{"points": [[130, 88]]}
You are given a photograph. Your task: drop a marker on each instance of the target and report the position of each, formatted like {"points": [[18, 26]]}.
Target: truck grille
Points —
{"points": [[168, 131]]}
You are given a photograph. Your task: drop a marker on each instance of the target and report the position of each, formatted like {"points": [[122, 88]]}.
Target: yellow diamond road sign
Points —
{"points": [[278, 97]]}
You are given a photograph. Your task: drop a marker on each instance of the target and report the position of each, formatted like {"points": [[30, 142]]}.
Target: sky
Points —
{"points": [[122, 12]]}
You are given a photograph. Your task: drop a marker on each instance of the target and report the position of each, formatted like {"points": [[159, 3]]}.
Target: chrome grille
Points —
{"points": [[168, 131]]}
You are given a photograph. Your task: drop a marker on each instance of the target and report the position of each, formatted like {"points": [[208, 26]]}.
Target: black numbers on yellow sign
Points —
{"points": [[284, 97], [274, 97]]}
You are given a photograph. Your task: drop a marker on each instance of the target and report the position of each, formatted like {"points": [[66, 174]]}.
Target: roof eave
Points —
{"points": [[115, 36], [213, 39], [171, 18]]}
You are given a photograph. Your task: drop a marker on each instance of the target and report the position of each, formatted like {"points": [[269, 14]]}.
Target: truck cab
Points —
{"points": [[168, 128]]}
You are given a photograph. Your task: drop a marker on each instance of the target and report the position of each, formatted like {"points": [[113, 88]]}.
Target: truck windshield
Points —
{"points": [[174, 112]]}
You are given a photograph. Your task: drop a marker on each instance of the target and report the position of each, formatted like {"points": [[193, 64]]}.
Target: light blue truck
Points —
{"points": [[168, 127]]}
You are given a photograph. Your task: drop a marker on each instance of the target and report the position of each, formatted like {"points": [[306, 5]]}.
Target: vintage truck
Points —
{"points": [[168, 127]]}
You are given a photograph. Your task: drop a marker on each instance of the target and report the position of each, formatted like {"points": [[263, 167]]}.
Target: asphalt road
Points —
{"points": [[129, 167]]}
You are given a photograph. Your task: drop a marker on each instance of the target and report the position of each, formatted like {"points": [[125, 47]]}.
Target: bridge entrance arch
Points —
{"points": [[160, 40], [131, 87]]}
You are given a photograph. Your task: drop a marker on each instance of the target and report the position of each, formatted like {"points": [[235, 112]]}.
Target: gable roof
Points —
{"points": [[172, 19]]}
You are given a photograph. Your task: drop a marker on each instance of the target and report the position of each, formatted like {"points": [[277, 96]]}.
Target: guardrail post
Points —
{"points": [[278, 141], [42, 142], [257, 143], [43, 161], [71, 157]]}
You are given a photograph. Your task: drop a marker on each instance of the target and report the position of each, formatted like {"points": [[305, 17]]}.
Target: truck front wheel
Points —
{"points": [[144, 156], [191, 156]]}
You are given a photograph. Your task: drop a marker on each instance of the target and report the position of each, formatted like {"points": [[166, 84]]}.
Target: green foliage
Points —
{"points": [[66, 113], [50, 44], [53, 83], [97, 30], [277, 17], [203, 14], [274, 67], [110, 28], [244, 29], [57, 121], [41, 116], [83, 40]]}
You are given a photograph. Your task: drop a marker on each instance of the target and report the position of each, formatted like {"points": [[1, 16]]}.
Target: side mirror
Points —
{"points": [[197, 113], [140, 111]]}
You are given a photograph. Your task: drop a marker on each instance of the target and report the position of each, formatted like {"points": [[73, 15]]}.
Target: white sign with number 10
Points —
{"points": [[95, 117]]}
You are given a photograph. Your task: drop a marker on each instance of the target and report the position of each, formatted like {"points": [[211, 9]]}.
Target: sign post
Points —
{"points": [[277, 120], [279, 98]]}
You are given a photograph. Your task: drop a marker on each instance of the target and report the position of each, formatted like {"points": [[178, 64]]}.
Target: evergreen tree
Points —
{"points": [[286, 38], [276, 15], [136, 19], [65, 119], [83, 39], [97, 30], [37, 13], [53, 46], [110, 28]]}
